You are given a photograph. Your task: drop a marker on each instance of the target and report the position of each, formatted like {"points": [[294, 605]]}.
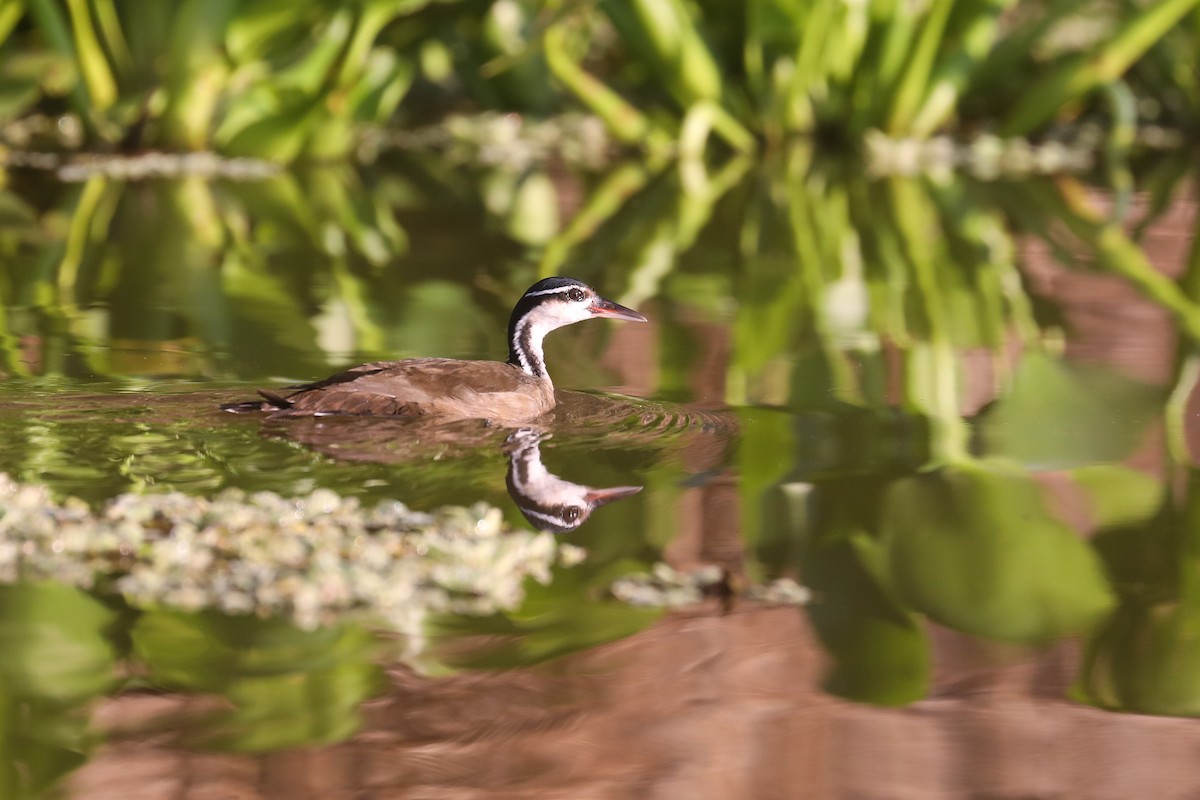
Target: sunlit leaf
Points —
{"points": [[259, 28]]}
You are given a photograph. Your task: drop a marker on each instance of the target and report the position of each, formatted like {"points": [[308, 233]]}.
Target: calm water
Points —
{"points": [[961, 414]]}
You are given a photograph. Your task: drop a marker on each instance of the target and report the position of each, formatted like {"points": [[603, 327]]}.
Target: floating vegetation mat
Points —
{"points": [[665, 587], [308, 558], [985, 157], [503, 140]]}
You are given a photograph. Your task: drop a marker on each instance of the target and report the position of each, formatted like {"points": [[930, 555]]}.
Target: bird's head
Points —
{"points": [[552, 303]]}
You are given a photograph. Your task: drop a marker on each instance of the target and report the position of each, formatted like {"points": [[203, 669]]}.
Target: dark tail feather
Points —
{"points": [[247, 407], [270, 402], [275, 400]]}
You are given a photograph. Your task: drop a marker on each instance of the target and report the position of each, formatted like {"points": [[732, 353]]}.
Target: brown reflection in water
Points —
{"points": [[1107, 320], [632, 357], [709, 516], [703, 705]]}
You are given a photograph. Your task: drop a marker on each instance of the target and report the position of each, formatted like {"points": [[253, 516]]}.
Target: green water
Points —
{"points": [[947, 408]]}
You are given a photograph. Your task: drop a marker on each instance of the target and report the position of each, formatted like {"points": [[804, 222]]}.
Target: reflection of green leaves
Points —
{"points": [[975, 548], [1119, 495], [1059, 414], [566, 615], [54, 658], [440, 318], [268, 271], [289, 687], [764, 459], [879, 648], [53, 644], [267, 324], [1145, 659]]}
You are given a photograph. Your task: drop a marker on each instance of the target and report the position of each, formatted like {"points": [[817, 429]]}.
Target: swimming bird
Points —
{"points": [[505, 393]]}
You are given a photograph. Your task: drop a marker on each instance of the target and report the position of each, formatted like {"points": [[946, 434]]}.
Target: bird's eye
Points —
{"points": [[571, 513], [575, 295]]}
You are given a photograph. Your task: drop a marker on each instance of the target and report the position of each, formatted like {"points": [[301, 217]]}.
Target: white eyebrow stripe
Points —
{"points": [[559, 290]]}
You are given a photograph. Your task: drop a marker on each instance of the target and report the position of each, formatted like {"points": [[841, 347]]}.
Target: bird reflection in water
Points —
{"points": [[546, 500]]}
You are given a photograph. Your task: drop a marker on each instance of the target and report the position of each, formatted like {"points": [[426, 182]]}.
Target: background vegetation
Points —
{"points": [[291, 80]]}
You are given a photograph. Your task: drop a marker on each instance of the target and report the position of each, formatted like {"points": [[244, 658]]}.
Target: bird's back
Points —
{"points": [[440, 387]]}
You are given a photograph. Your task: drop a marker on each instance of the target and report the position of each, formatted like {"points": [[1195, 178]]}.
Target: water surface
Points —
{"points": [[959, 413]]}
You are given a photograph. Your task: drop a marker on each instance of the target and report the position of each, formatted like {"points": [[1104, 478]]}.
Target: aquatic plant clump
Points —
{"points": [[309, 559], [665, 587]]}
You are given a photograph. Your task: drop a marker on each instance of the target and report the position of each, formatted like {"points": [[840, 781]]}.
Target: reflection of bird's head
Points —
{"points": [[547, 501]]}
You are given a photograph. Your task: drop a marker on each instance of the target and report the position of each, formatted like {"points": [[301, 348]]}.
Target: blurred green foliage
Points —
{"points": [[975, 547], [58, 657], [298, 80], [571, 613], [190, 274], [878, 643], [773, 68], [277, 80], [1144, 657], [1054, 408], [287, 687]]}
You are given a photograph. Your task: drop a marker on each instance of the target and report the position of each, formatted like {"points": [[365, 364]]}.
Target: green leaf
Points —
{"points": [[288, 687], [281, 136], [879, 649], [53, 643], [16, 215], [1061, 415], [974, 547], [1146, 659], [1119, 495], [1069, 82], [569, 614], [260, 28]]}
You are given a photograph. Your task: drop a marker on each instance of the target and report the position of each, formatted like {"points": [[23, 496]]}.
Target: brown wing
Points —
{"points": [[275, 401], [348, 376], [421, 386]]}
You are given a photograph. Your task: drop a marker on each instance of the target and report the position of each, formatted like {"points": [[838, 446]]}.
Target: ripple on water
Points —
{"points": [[97, 444]]}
